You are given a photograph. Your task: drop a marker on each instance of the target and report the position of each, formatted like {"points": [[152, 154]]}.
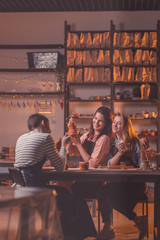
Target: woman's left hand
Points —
{"points": [[75, 139], [65, 139]]}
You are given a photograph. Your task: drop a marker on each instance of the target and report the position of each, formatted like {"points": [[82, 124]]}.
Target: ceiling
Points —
{"points": [[78, 5]]}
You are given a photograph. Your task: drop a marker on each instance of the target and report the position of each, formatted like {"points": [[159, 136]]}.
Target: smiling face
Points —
{"points": [[117, 125], [98, 122]]}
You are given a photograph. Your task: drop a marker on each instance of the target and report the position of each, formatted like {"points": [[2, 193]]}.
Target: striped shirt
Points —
{"points": [[34, 147]]}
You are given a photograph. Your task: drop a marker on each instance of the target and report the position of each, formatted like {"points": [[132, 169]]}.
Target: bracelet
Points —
{"points": [[119, 155]]}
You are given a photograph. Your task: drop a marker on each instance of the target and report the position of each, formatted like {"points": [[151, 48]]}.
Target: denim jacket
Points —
{"points": [[135, 154]]}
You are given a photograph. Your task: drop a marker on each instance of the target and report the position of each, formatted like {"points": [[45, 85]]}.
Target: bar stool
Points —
{"points": [[144, 202], [19, 181], [17, 176]]}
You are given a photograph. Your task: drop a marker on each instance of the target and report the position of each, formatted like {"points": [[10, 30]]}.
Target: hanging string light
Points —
{"points": [[13, 104]]}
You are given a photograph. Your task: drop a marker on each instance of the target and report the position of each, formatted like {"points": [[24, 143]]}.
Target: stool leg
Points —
{"points": [[8, 224], [93, 207], [145, 202], [147, 217], [143, 208], [99, 219]]}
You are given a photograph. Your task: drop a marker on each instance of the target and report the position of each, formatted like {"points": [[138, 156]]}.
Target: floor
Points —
{"points": [[125, 229]]}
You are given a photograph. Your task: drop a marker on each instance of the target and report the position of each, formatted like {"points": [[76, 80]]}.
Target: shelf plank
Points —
{"points": [[27, 70], [88, 100], [135, 101], [87, 49], [32, 46], [148, 136], [90, 66], [98, 31], [134, 31], [88, 83], [136, 118], [82, 117], [134, 83], [134, 65], [31, 93], [135, 48]]}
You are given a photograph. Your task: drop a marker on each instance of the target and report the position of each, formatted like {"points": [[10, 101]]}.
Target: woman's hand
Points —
{"points": [[65, 139], [75, 138], [122, 148]]}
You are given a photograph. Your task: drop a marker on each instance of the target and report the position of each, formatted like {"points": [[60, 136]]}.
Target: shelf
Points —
{"points": [[27, 70], [32, 46], [148, 136], [134, 83], [98, 31], [135, 48], [87, 100], [134, 31], [87, 49], [135, 101], [81, 117], [136, 118], [31, 93], [89, 83], [90, 66], [135, 65]]}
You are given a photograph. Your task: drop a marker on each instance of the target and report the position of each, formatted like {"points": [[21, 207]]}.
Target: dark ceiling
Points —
{"points": [[78, 5]]}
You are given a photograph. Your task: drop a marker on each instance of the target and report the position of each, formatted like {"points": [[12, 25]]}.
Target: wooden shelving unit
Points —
{"points": [[111, 83]]}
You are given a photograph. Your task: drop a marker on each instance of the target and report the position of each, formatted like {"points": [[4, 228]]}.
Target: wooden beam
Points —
{"points": [[93, 6], [69, 5], [80, 3], [86, 5], [41, 5], [75, 6], [111, 8], [135, 6], [99, 6], [9, 6], [61, 2]]}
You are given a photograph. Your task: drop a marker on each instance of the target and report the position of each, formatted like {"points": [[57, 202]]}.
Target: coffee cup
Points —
{"points": [[83, 165]]}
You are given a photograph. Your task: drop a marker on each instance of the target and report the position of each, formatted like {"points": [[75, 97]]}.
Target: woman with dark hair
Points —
{"points": [[93, 145], [125, 149]]}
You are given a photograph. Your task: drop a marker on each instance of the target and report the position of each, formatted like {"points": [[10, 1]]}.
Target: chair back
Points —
{"points": [[17, 176]]}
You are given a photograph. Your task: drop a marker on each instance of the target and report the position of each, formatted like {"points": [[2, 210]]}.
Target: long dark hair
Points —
{"points": [[108, 117]]}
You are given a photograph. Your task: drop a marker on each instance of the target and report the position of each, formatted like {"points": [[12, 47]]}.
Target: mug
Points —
{"points": [[83, 165]]}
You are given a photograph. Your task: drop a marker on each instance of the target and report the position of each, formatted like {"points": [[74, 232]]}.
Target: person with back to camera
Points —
{"points": [[33, 149], [125, 149]]}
